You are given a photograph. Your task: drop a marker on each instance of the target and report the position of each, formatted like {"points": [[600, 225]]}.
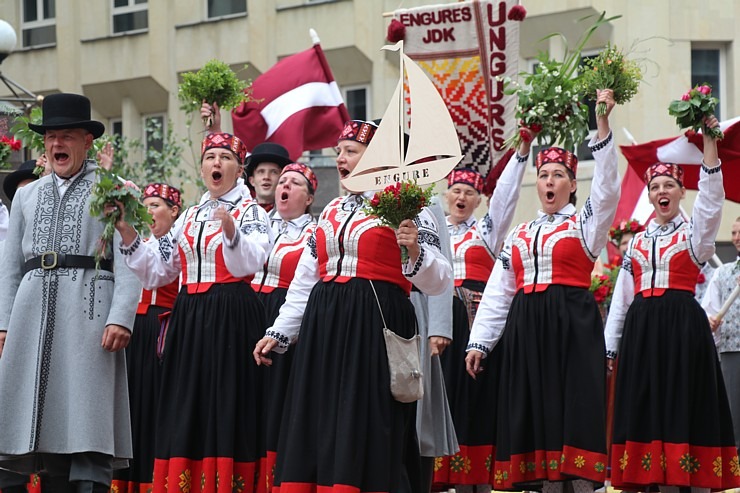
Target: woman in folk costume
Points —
{"points": [[672, 423], [292, 225], [475, 245], [342, 430], [550, 416], [209, 419], [164, 203]]}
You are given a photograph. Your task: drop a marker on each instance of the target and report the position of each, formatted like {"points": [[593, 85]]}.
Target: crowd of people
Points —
{"points": [[239, 346]]}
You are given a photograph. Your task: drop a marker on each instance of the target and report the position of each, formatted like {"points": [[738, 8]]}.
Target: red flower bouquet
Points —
{"points": [[632, 226], [7, 146], [693, 107], [396, 203]]}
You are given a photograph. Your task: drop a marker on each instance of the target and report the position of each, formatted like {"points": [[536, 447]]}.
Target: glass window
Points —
{"points": [[218, 8], [356, 100], [130, 15], [39, 23], [706, 68], [154, 129]]}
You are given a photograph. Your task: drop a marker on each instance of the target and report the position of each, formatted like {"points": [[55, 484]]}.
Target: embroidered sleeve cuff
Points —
{"points": [[233, 242], [417, 265], [282, 340], [474, 346], [600, 145], [522, 159], [130, 249], [611, 354], [711, 171]]}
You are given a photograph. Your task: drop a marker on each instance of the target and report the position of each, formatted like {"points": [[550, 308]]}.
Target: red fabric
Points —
{"points": [[315, 127], [122, 486], [209, 475], [682, 271], [495, 172], [471, 258], [471, 465], [164, 297], [551, 465], [317, 488], [640, 157], [635, 464]]}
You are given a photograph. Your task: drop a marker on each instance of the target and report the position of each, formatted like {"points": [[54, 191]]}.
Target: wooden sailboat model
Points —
{"points": [[433, 149]]}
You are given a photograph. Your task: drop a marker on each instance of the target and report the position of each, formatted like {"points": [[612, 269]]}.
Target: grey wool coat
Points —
{"points": [[60, 391]]}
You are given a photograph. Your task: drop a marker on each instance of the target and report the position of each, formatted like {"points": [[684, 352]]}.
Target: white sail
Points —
{"points": [[432, 134]]}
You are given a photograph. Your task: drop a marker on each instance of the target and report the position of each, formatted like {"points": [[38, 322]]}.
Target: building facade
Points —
{"points": [[127, 56]]}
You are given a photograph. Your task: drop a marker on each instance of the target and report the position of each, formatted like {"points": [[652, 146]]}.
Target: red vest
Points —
{"points": [[350, 244], [163, 297], [282, 262], [663, 262], [471, 258], [201, 251], [549, 253]]}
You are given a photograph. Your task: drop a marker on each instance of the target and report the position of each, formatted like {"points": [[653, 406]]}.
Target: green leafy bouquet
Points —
{"points": [[693, 107], [214, 83], [31, 140], [610, 69], [550, 98], [396, 203], [110, 189]]}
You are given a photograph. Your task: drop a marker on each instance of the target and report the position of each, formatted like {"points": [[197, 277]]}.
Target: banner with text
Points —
{"points": [[464, 47]]}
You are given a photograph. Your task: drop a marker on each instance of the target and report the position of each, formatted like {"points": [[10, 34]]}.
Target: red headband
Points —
{"points": [[225, 141], [359, 131], [664, 169], [557, 155], [164, 192], [468, 177], [307, 173]]}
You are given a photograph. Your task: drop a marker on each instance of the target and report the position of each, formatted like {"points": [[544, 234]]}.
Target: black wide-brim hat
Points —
{"points": [[267, 152], [66, 110], [24, 172]]}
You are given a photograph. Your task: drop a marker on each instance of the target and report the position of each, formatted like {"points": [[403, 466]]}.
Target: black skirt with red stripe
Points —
{"points": [[672, 423], [551, 401], [473, 408], [276, 383], [144, 375], [342, 431], [209, 434]]}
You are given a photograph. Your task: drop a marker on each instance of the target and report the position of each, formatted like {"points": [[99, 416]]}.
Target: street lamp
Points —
{"points": [[21, 95]]}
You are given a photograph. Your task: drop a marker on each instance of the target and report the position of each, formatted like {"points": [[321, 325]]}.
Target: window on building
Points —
{"points": [[707, 67], [39, 23], [116, 126], [154, 133], [357, 100], [130, 15], [220, 8]]}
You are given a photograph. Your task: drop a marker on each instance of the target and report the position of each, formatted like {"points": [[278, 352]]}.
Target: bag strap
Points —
{"points": [[385, 325]]}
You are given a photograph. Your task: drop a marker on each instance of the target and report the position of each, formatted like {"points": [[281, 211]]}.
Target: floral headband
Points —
{"points": [[359, 131], [664, 169], [557, 155], [164, 192], [307, 173], [632, 226], [223, 140], [466, 176]]}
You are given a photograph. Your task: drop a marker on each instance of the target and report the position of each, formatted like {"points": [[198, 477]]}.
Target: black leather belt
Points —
{"points": [[54, 260]]}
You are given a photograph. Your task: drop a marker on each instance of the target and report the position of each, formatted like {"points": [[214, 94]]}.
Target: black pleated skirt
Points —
{"points": [[209, 422], [551, 401], [144, 375], [342, 430], [672, 422]]}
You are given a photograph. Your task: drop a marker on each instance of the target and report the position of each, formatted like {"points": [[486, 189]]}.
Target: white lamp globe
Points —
{"points": [[7, 39]]}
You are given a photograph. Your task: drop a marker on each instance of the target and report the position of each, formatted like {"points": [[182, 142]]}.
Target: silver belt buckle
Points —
{"points": [[49, 260]]}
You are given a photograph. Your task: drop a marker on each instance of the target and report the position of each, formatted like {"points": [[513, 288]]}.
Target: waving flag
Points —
{"points": [[297, 104], [686, 150]]}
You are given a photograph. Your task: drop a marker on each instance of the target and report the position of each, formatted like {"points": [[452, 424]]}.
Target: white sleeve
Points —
{"points": [[624, 294], [707, 213], [4, 220], [503, 202], [712, 301], [287, 325], [598, 212], [440, 306], [490, 319], [432, 272], [248, 251], [155, 263]]}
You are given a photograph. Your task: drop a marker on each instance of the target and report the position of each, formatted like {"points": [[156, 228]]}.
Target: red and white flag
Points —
{"points": [[298, 105], [686, 150]]}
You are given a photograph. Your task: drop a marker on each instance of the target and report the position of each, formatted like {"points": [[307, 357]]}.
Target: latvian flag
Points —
{"points": [[298, 105]]}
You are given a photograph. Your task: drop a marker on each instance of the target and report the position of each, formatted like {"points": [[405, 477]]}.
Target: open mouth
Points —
{"points": [[664, 202], [460, 206], [550, 195], [284, 196], [343, 173], [216, 175], [61, 156]]}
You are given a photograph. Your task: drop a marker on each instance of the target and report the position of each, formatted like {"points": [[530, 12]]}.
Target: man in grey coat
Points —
{"points": [[63, 393]]}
